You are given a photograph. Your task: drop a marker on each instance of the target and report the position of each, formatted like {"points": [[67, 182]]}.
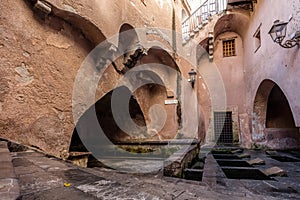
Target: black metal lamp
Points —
{"points": [[278, 33], [192, 77]]}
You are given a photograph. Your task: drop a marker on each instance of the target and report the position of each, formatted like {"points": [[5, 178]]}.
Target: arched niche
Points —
{"points": [[102, 109], [161, 119], [128, 38], [273, 123], [279, 114], [236, 22]]}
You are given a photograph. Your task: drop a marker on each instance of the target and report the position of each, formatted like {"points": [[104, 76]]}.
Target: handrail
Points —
{"points": [[200, 17], [195, 11]]}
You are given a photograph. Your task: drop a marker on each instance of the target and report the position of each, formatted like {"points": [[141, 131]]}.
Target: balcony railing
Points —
{"points": [[200, 17]]}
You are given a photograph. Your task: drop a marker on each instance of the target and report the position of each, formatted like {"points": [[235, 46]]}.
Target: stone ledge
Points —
{"points": [[180, 160], [256, 161], [274, 171]]}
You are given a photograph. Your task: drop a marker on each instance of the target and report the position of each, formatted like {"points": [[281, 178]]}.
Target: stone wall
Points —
{"points": [[41, 54], [40, 59], [257, 62], [270, 63]]}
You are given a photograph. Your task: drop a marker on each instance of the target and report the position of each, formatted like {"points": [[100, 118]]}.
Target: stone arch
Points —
{"points": [[166, 68], [204, 98], [128, 38], [159, 55], [163, 54], [151, 97], [129, 46], [202, 50], [152, 93], [260, 109], [161, 119], [204, 43], [161, 67], [279, 114], [273, 122], [104, 114], [88, 28], [236, 22]]}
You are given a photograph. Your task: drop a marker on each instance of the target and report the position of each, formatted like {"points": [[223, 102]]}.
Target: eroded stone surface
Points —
{"points": [[256, 161], [41, 177], [39, 60], [9, 189], [41, 55], [275, 171]]}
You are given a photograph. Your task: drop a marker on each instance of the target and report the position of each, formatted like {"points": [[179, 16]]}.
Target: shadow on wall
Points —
{"points": [[112, 131], [279, 114]]}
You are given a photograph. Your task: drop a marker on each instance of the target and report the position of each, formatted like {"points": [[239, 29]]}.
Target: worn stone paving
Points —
{"points": [[9, 187], [37, 176]]}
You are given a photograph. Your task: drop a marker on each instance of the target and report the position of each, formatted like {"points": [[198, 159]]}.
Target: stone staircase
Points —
{"points": [[9, 185]]}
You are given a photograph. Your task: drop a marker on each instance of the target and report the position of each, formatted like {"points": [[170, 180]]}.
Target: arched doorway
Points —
{"points": [[273, 123]]}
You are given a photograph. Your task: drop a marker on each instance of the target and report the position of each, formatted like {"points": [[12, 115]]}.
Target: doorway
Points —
{"points": [[223, 127]]}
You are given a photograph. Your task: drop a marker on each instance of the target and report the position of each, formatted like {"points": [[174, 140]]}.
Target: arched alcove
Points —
{"points": [[102, 109], [260, 109], [279, 114], [236, 22], [128, 38], [160, 118], [161, 65], [273, 122], [158, 55]]}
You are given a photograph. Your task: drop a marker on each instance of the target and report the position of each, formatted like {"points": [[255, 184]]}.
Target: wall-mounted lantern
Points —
{"points": [[192, 77], [278, 33]]}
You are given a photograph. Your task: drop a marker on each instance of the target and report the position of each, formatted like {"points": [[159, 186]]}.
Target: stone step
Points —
{"points": [[257, 161], [274, 171], [9, 186]]}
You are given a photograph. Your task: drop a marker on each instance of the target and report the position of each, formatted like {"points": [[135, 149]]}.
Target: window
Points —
{"points": [[257, 38], [229, 48]]}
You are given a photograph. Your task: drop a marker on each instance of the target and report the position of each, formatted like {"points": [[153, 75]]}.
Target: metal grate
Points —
{"points": [[223, 127], [229, 48]]}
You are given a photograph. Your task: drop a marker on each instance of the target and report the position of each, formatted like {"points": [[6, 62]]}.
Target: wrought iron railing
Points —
{"points": [[200, 17]]}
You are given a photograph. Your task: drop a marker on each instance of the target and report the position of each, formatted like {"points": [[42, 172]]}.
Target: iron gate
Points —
{"points": [[223, 127]]}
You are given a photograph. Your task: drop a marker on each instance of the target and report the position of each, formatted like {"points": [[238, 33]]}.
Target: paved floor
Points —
{"points": [[32, 175]]}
